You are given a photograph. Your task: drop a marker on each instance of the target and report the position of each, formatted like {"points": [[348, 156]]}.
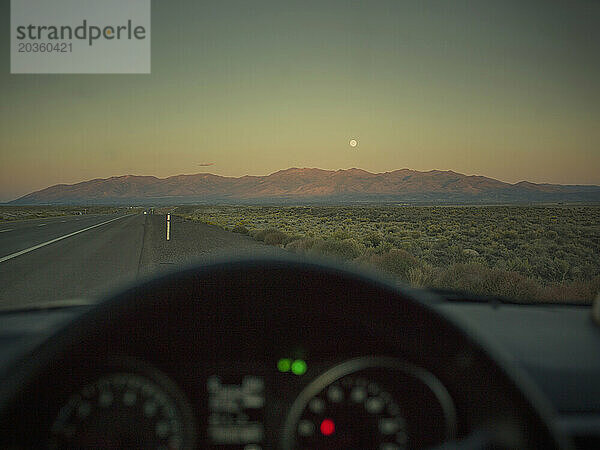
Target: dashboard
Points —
{"points": [[372, 402], [279, 355]]}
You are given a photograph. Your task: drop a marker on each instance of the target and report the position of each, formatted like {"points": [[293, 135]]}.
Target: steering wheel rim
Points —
{"points": [[134, 299]]}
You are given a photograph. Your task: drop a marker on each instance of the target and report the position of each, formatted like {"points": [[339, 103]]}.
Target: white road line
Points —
{"points": [[43, 244], [8, 229], [168, 226], [42, 224]]}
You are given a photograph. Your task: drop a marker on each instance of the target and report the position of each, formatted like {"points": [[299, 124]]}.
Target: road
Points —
{"points": [[73, 257]]}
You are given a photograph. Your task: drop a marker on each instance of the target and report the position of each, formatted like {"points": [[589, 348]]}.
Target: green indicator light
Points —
{"points": [[284, 364], [299, 367]]}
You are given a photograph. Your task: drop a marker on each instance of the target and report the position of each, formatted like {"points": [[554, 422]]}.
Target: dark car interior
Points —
{"points": [[289, 353]]}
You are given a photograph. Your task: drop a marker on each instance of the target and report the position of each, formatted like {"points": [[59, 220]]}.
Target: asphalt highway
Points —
{"points": [[83, 257]]}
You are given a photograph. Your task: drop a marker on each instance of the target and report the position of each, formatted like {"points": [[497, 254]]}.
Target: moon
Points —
{"points": [[353, 143]]}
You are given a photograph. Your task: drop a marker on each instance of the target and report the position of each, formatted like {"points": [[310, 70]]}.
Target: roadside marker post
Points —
{"points": [[168, 226]]}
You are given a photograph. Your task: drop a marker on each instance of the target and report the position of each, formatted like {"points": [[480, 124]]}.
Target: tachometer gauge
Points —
{"points": [[371, 403], [124, 410]]}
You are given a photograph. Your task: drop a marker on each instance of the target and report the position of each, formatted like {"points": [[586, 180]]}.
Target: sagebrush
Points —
{"points": [[527, 253]]}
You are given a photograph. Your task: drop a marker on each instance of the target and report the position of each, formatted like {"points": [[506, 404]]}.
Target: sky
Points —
{"points": [[505, 89]]}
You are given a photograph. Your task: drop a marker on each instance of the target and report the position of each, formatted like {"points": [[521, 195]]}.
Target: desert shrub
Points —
{"points": [[483, 280], [300, 245], [580, 291], [346, 249], [395, 240], [239, 228], [341, 235], [372, 239], [395, 261], [260, 235], [383, 247], [276, 238], [422, 276]]}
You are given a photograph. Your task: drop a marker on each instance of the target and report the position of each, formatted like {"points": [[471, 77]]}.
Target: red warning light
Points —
{"points": [[327, 427]]}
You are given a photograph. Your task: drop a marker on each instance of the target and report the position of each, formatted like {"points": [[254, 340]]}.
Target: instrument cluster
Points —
{"points": [[365, 402]]}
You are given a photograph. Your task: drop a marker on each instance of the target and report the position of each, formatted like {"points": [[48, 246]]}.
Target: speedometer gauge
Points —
{"points": [[124, 410], [354, 412], [371, 403]]}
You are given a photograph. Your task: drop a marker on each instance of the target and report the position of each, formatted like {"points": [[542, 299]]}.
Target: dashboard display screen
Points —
{"points": [[236, 411]]}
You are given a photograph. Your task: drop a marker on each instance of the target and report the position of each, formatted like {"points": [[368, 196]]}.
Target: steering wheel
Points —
{"points": [[226, 309]]}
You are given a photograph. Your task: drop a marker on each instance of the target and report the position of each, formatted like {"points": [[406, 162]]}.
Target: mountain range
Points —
{"points": [[302, 185]]}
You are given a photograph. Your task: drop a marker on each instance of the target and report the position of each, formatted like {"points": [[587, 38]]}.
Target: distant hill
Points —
{"points": [[309, 185]]}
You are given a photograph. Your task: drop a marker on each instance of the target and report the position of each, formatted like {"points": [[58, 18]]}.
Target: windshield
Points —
{"points": [[449, 145]]}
